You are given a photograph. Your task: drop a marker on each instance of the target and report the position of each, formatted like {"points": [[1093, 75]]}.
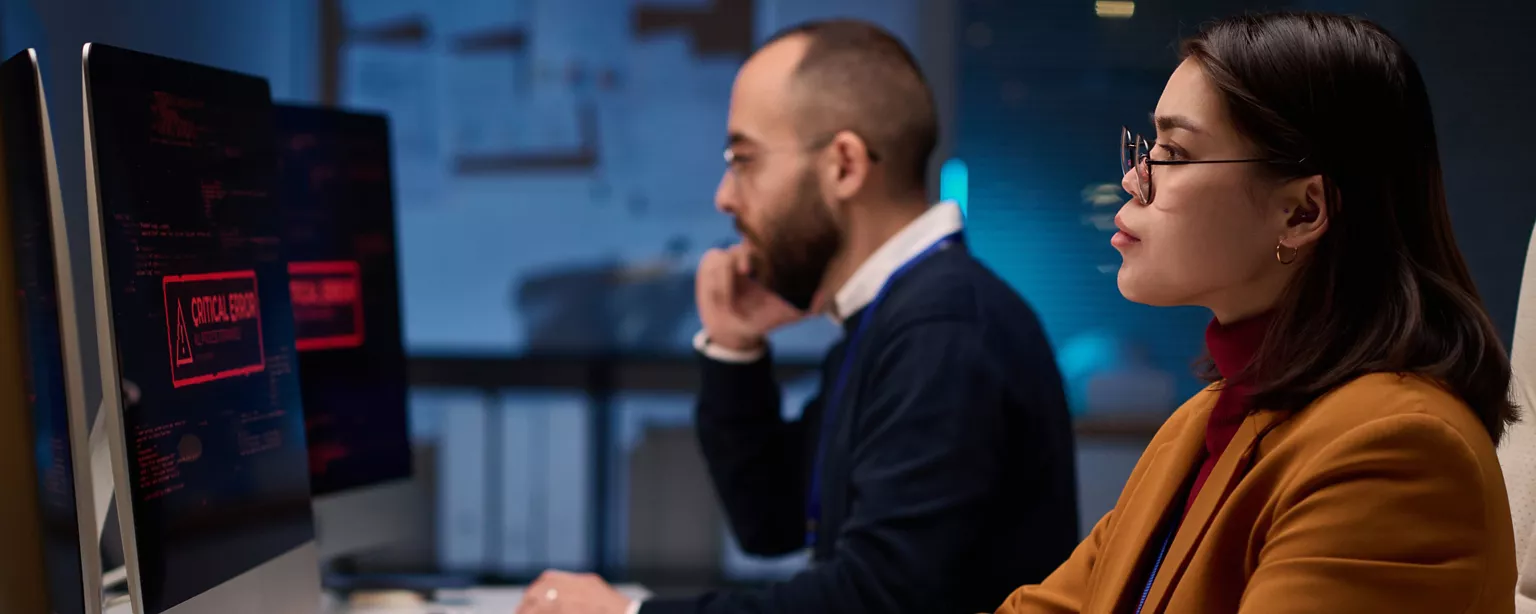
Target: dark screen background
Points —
{"points": [[335, 192], [21, 125], [185, 165]]}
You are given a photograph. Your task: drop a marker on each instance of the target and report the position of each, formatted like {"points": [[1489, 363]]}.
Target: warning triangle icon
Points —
{"points": [[183, 343]]}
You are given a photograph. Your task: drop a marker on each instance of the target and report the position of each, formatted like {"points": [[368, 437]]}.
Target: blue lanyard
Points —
{"points": [[830, 403], [1173, 527]]}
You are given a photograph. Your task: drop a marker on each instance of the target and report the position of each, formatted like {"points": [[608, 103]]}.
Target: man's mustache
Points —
{"points": [[746, 233]]}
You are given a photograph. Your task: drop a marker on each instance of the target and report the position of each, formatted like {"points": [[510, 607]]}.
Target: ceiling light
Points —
{"points": [[1114, 9]]}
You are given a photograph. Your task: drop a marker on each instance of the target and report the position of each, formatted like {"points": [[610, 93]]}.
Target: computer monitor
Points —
{"points": [[335, 193], [47, 525], [191, 291]]}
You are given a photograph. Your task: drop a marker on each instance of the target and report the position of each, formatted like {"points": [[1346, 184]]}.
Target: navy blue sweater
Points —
{"points": [[948, 475]]}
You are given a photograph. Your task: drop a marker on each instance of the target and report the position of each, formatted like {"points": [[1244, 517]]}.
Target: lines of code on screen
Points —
{"points": [[201, 320], [339, 231]]}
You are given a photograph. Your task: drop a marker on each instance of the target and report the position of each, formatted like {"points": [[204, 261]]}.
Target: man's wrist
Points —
{"points": [[738, 343], [733, 352]]}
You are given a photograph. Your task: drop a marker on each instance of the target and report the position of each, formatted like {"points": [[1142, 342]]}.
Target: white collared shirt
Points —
{"points": [[937, 222]]}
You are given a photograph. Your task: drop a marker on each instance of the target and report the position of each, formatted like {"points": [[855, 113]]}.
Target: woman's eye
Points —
{"points": [[1165, 152]]}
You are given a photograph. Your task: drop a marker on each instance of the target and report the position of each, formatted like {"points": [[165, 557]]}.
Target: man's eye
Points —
{"points": [[736, 160]]}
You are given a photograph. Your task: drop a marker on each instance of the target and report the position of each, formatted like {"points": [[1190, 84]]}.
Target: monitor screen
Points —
{"points": [[335, 193], [201, 322], [31, 241]]}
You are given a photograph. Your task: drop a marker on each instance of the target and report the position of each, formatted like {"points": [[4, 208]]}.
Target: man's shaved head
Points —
{"points": [[825, 114], [854, 75]]}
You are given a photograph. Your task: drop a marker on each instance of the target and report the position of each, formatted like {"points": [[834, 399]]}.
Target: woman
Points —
{"points": [[1343, 459]]}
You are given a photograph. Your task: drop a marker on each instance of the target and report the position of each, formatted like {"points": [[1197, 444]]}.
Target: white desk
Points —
{"points": [[480, 600]]}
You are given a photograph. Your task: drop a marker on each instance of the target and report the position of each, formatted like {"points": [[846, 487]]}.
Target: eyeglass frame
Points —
{"points": [[730, 156], [1135, 151]]}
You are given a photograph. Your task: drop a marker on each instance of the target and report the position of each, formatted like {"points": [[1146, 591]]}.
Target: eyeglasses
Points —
{"points": [[1136, 153], [734, 161]]}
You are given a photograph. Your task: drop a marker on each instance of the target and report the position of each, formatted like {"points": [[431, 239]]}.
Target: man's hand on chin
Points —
{"points": [[558, 592]]}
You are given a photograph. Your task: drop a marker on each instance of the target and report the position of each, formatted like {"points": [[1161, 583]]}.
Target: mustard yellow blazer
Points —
{"points": [[1383, 496]]}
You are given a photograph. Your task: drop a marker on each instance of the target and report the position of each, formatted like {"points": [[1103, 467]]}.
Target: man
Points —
{"points": [[934, 471]]}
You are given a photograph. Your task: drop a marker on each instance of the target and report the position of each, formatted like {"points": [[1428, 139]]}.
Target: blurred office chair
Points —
{"points": [[1517, 453], [673, 515]]}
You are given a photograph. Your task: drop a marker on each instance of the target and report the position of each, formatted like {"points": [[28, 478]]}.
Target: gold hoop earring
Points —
{"points": [[1282, 259]]}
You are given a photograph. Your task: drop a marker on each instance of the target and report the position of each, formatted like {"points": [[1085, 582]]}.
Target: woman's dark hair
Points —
{"points": [[1386, 288]]}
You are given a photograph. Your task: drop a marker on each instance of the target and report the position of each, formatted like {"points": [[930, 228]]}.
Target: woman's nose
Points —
{"points": [[1131, 184]]}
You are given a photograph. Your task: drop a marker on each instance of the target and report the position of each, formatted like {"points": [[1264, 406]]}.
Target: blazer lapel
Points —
{"points": [[1229, 470], [1141, 514]]}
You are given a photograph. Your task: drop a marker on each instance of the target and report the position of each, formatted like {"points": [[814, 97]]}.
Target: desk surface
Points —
{"points": [[500, 600], [478, 600]]}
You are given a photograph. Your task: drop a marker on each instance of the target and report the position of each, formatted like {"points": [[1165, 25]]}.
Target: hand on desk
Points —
{"points": [[558, 592]]}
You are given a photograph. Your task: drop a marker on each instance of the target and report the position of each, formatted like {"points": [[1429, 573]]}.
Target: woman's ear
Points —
{"points": [[1306, 211]]}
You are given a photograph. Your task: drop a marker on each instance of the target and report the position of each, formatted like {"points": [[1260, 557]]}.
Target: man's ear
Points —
{"points": [[848, 165]]}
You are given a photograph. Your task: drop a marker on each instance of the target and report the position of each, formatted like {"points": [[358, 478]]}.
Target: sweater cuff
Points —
{"points": [[666, 606], [723, 354]]}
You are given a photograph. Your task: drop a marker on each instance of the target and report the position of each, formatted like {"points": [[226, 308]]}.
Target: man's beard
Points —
{"points": [[796, 247]]}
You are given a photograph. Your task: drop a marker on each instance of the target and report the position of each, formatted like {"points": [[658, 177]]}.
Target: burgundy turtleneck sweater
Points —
{"points": [[1232, 347]]}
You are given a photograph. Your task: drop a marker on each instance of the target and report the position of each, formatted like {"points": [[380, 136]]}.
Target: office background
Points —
{"points": [[555, 163]]}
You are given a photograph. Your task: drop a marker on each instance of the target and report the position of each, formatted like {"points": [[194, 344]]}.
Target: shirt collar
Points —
{"points": [[939, 221]]}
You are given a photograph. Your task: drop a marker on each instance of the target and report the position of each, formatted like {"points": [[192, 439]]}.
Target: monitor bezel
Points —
{"points": [[287, 582], [74, 374]]}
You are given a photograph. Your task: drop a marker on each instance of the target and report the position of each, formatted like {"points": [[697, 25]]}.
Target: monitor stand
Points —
{"points": [[114, 582]]}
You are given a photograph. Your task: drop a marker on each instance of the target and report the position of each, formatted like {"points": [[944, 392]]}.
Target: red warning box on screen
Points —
{"points": [[213, 326], [327, 304]]}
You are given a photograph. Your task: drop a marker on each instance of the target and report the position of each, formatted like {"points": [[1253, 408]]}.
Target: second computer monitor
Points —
{"points": [[339, 231], [193, 314]]}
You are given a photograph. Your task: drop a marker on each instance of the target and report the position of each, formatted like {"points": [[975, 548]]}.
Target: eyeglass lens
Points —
{"points": [[1133, 154]]}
